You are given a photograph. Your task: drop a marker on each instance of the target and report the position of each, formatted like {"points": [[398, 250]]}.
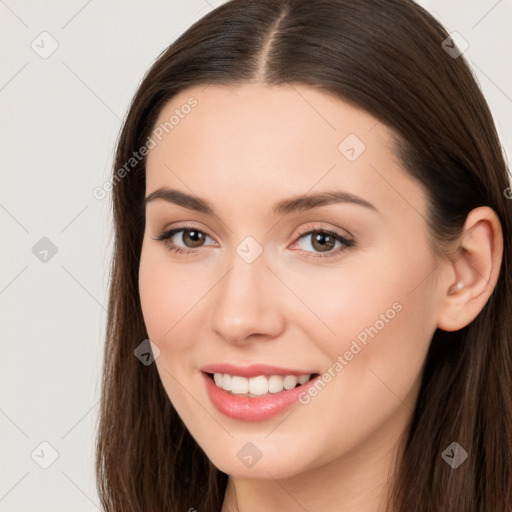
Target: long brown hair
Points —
{"points": [[386, 57]]}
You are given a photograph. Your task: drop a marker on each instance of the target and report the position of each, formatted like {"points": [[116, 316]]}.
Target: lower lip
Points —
{"points": [[260, 408]]}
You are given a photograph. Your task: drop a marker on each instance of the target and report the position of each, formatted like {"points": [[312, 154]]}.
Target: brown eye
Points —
{"points": [[192, 238], [322, 241], [189, 240]]}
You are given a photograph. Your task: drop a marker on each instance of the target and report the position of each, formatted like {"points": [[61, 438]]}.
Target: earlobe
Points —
{"points": [[476, 264]]}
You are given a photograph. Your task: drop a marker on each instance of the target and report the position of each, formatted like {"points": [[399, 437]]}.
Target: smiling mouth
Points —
{"points": [[260, 385]]}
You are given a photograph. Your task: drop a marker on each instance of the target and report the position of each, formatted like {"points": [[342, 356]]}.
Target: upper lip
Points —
{"points": [[253, 370]]}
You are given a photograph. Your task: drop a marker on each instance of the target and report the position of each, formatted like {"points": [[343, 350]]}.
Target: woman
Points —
{"points": [[312, 228]]}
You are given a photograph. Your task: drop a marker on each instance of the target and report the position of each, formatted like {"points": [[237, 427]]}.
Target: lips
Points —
{"points": [[254, 408], [255, 370]]}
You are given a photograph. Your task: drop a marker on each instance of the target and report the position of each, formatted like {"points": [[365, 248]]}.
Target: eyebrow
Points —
{"points": [[284, 207]]}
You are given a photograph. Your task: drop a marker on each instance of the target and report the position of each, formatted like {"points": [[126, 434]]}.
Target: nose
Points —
{"points": [[247, 304]]}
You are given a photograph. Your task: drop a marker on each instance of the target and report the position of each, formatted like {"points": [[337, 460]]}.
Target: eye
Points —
{"points": [[192, 238], [323, 241]]}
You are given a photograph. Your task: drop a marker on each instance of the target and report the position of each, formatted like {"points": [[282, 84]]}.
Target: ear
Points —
{"points": [[475, 265]]}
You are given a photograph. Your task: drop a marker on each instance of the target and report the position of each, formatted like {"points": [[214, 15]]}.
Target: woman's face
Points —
{"points": [[284, 269]]}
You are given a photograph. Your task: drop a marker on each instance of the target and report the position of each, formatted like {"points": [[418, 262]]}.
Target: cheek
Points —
{"points": [[377, 321], [167, 293], [383, 326], [155, 296], [369, 293], [166, 296]]}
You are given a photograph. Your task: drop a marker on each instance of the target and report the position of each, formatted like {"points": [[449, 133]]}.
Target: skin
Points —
{"points": [[244, 148]]}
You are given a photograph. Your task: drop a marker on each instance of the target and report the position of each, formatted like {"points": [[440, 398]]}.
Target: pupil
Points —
{"points": [[326, 241], [195, 237]]}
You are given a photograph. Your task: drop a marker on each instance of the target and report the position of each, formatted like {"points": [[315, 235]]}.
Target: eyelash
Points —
{"points": [[347, 242]]}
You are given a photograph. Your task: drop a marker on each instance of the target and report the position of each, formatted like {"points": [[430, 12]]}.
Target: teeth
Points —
{"points": [[290, 381], [257, 386], [225, 381], [217, 377], [303, 379], [275, 383], [239, 385]]}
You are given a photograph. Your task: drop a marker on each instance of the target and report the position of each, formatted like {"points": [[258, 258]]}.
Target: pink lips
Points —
{"points": [[260, 408], [253, 370]]}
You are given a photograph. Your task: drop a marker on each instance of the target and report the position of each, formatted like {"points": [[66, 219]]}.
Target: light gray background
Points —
{"points": [[60, 120]]}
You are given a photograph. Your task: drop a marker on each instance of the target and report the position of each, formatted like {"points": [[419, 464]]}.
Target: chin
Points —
{"points": [[246, 459]]}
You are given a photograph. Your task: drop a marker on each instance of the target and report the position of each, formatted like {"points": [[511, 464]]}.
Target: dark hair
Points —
{"points": [[386, 57]]}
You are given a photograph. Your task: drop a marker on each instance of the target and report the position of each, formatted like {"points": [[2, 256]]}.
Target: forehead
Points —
{"points": [[254, 136], [255, 111], [252, 125]]}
